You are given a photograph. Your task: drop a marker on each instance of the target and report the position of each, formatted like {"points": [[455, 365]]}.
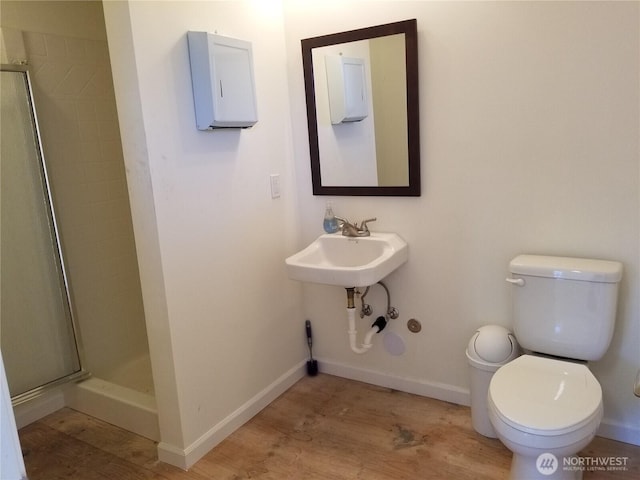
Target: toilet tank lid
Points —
{"points": [[569, 268]]}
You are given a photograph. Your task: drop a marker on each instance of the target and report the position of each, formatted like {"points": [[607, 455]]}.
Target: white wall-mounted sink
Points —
{"points": [[334, 259]]}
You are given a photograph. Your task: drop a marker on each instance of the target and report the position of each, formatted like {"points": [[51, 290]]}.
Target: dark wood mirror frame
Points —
{"points": [[409, 29]]}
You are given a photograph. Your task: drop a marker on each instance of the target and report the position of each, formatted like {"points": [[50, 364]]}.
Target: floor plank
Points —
{"points": [[322, 428], [329, 427]]}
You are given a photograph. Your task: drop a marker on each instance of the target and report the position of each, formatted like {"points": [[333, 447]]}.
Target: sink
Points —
{"points": [[334, 259]]}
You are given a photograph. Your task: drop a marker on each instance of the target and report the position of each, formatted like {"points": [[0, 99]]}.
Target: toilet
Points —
{"points": [[546, 405]]}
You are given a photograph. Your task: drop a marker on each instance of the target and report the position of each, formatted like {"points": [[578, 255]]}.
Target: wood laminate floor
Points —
{"points": [[324, 427]]}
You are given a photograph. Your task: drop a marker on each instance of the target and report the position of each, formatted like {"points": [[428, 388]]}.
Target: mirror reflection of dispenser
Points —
{"points": [[330, 223], [347, 85]]}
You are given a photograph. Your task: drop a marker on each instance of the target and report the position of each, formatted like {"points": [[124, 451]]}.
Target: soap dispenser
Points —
{"points": [[330, 222]]}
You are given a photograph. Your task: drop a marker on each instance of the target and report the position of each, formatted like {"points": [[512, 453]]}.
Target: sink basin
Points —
{"points": [[334, 259]]}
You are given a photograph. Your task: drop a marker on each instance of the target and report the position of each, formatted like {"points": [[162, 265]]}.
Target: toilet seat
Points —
{"points": [[545, 397]]}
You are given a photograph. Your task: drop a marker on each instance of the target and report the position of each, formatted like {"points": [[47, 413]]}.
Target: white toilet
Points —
{"points": [[546, 405]]}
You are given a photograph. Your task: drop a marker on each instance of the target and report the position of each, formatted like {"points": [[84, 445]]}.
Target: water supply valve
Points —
{"points": [[380, 323]]}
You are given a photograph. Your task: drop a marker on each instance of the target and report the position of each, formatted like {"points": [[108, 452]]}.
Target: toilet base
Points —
{"points": [[527, 468]]}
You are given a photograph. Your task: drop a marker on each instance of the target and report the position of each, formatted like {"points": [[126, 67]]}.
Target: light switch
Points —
{"points": [[274, 178]]}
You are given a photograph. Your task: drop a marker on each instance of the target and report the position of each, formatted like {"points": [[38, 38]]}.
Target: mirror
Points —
{"points": [[362, 110]]}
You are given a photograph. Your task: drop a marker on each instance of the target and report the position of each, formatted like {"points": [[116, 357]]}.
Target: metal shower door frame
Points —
{"points": [[80, 374]]}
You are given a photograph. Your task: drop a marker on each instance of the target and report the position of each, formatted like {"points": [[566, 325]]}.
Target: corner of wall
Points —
{"points": [[134, 142], [187, 457]]}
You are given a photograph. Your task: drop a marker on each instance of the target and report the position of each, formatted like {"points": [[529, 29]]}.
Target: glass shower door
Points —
{"points": [[37, 334]]}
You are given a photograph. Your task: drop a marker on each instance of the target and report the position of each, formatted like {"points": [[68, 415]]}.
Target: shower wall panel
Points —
{"points": [[74, 93]]}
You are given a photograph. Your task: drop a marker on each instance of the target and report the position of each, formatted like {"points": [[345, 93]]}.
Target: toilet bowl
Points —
{"points": [[545, 407]]}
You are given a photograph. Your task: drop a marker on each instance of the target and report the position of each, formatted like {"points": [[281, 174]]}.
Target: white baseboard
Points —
{"points": [[39, 407], [185, 458], [439, 391], [616, 431], [450, 393]]}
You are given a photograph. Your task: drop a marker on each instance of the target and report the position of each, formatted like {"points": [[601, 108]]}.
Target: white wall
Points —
{"points": [[225, 324], [529, 115], [529, 133]]}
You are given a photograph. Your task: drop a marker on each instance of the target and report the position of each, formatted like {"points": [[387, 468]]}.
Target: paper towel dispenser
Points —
{"points": [[223, 82], [347, 86]]}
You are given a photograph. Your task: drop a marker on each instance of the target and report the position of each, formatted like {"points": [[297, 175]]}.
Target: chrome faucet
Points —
{"points": [[352, 229]]}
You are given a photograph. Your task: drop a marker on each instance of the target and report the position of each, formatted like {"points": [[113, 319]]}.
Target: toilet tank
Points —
{"points": [[564, 306]]}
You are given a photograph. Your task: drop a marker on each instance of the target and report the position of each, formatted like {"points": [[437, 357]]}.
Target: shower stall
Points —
{"points": [[71, 315], [38, 336]]}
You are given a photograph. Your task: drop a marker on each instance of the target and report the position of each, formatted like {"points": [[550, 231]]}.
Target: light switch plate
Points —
{"points": [[274, 178]]}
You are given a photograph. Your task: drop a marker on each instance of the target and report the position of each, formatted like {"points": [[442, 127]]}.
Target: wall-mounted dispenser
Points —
{"points": [[223, 83], [347, 85]]}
